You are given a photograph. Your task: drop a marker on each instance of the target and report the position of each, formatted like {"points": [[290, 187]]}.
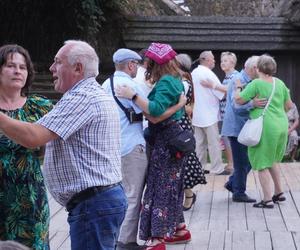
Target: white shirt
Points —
{"points": [[206, 107], [141, 79], [144, 85]]}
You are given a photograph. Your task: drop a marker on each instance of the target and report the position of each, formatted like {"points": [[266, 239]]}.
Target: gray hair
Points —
{"points": [[185, 61], [267, 64], [232, 55], [203, 55], [251, 62], [82, 52]]}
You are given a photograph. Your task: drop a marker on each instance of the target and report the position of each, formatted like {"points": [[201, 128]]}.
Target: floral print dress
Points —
{"points": [[162, 203], [24, 210]]}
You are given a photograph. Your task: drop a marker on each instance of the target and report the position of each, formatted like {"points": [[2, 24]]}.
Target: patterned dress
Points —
{"points": [[292, 115], [162, 208], [162, 203], [193, 171], [24, 211]]}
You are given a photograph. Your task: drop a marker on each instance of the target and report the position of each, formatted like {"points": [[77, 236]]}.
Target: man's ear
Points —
{"points": [[78, 68]]}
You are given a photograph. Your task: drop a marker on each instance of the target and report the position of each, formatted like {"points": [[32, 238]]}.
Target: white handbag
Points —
{"points": [[251, 132]]}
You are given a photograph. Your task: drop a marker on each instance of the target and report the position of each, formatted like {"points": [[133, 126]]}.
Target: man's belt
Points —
{"points": [[86, 194]]}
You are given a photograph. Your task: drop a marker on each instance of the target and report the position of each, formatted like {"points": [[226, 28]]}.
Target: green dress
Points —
{"points": [[271, 147], [24, 210]]}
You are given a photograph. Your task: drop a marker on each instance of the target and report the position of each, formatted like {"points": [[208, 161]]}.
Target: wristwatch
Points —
{"points": [[240, 88], [134, 97]]}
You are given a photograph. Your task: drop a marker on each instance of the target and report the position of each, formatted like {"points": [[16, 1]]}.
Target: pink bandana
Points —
{"points": [[160, 53]]}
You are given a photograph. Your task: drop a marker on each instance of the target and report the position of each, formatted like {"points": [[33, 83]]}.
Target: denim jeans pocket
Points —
{"points": [[77, 213], [110, 211]]}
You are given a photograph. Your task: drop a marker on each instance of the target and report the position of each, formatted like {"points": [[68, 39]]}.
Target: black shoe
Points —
{"points": [[243, 198], [224, 172], [129, 246], [278, 197], [228, 187], [264, 204], [194, 197]]}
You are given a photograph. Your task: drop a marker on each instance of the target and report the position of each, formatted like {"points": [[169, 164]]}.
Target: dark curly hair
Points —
{"points": [[10, 50]]}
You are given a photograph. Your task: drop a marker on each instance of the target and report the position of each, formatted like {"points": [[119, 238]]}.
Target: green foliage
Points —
{"points": [[89, 16]]}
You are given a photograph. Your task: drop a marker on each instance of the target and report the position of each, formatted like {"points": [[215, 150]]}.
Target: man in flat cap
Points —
{"points": [[133, 153]]}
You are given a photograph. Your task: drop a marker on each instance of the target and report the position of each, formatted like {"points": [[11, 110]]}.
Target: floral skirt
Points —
{"points": [[163, 198]]}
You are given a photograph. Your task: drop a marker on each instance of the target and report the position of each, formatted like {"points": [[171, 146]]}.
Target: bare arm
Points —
{"points": [[127, 92], [288, 105], [294, 126], [29, 135], [142, 103], [189, 110], [212, 85]]}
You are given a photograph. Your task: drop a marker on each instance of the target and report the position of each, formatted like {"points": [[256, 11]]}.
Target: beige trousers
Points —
{"points": [[208, 138], [134, 169]]}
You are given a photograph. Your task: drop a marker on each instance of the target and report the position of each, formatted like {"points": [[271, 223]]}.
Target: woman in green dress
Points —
{"points": [[24, 210], [266, 155]]}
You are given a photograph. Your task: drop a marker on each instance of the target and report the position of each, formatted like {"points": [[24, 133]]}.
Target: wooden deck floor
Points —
{"points": [[216, 223]]}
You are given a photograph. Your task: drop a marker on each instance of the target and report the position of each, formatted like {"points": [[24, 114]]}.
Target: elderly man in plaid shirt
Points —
{"points": [[82, 166]]}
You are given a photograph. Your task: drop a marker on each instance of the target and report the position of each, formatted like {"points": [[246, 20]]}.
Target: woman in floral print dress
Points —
{"points": [[193, 171], [24, 210]]}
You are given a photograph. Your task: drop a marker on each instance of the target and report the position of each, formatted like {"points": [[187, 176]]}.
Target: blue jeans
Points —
{"points": [[95, 223], [237, 181]]}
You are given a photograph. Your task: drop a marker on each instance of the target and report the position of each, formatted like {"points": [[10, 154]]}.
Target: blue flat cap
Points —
{"points": [[122, 55]]}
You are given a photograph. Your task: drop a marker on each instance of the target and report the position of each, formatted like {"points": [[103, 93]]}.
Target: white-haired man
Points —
{"points": [[82, 166], [206, 114]]}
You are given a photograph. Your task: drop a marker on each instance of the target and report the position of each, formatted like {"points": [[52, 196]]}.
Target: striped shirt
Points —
{"points": [[87, 152]]}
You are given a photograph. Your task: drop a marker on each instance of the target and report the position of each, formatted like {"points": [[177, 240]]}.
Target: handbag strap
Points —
{"points": [[116, 99], [270, 98]]}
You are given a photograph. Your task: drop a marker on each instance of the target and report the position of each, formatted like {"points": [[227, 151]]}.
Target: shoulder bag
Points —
{"points": [[251, 132], [182, 143], [129, 112]]}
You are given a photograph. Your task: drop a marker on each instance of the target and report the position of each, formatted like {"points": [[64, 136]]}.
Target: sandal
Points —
{"points": [[159, 246], [179, 239], [194, 197], [278, 197], [264, 204]]}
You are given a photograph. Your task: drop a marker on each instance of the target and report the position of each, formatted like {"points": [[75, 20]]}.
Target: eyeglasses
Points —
{"points": [[136, 62]]}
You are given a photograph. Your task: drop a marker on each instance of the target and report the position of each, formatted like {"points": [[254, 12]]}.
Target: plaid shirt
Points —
{"points": [[87, 152]]}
